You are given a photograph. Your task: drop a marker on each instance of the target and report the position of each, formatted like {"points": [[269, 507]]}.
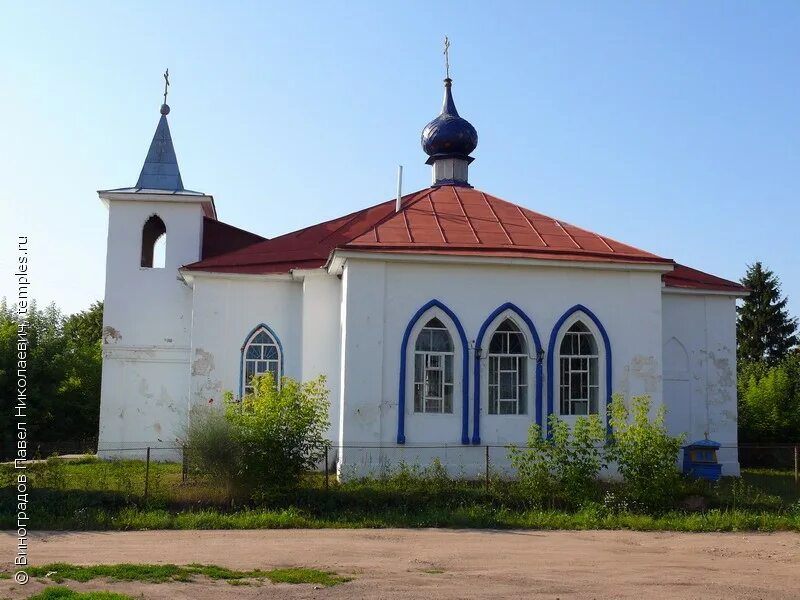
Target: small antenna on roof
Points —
{"points": [[399, 202]]}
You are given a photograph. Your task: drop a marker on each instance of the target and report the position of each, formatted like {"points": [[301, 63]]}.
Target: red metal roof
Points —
{"points": [[692, 279], [219, 238], [304, 249], [466, 221], [446, 220]]}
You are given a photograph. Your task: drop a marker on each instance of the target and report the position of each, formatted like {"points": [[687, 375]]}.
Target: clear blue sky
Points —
{"points": [[672, 126]]}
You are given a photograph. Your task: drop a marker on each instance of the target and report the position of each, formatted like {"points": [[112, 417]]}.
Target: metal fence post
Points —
{"points": [[147, 474], [184, 464], [326, 467], [487, 468]]}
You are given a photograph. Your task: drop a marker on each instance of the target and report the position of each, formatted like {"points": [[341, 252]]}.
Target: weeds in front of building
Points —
{"points": [[255, 465]]}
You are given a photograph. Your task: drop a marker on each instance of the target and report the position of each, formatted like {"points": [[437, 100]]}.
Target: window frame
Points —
{"points": [[600, 359], [406, 419], [529, 369], [244, 387], [443, 356]]}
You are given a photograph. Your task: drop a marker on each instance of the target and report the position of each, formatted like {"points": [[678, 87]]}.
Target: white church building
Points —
{"points": [[444, 320]]}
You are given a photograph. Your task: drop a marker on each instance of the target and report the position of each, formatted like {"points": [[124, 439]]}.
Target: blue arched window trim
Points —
{"points": [[551, 356], [250, 336], [508, 306], [401, 404]]}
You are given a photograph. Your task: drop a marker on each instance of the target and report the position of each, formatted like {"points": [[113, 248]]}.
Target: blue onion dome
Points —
{"points": [[448, 135]]}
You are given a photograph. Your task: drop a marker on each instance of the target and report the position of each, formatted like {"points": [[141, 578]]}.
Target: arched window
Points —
{"points": [[433, 369], [154, 243], [261, 354], [508, 371], [579, 374]]}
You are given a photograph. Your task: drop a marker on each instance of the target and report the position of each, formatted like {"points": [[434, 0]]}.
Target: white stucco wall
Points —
{"points": [[380, 298], [302, 310], [321, 336], [147, 328], [169, 344], [147, 307], [699, 336], [225, 310]]}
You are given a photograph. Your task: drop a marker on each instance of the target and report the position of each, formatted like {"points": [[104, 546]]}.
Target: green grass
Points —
{"points": [[60, 572], [62, 593], [107, 495], [122, 477], [303, 575]]}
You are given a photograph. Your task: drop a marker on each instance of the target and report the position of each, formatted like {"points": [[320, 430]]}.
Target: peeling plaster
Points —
{"points": [[641, 376], [111, 335], [208, 389], [203, 364]]}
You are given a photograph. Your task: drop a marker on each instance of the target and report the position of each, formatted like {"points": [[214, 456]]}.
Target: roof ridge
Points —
{"points": [[438, 223], [531, 225], [233, 253], [403, 206], [349, 216], [466, 218], [408, 227], [497, 218], [604, 238], [567, 233]]}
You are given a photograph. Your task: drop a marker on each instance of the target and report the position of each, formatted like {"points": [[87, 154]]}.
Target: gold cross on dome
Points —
{"points": [[447, 56], [166, 84]]}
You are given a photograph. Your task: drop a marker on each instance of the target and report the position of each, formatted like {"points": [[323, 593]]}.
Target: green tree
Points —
{"points": [[564, 464], [63, 374], [265, 442], [646, 455], [764, 329], [769, 400], [85, 327]]}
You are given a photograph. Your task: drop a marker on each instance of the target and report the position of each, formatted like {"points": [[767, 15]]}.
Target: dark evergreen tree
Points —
{"points": [[764, 329]]}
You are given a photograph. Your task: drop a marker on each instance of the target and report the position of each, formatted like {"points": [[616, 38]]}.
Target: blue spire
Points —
{"points": [[160, 170], [448, 105]]}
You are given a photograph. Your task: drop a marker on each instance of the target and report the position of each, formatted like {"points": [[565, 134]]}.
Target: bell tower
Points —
{"points": [[154, 228]]}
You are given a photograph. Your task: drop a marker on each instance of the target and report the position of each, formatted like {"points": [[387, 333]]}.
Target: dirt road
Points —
{"points": [[440, 564]]}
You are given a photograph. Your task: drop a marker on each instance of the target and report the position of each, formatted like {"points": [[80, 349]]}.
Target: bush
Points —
{"points": [[769, 400], [645, 453], [565, 464], [210, 446], [265, 442]]}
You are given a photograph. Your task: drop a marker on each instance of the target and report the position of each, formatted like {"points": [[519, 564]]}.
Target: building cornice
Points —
{"points": [[188, 276], [701, 292], [339, 257], [132, 195]]}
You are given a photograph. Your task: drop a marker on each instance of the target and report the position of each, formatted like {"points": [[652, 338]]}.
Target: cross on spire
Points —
{"points": [[447, 56], [166, 85]]}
